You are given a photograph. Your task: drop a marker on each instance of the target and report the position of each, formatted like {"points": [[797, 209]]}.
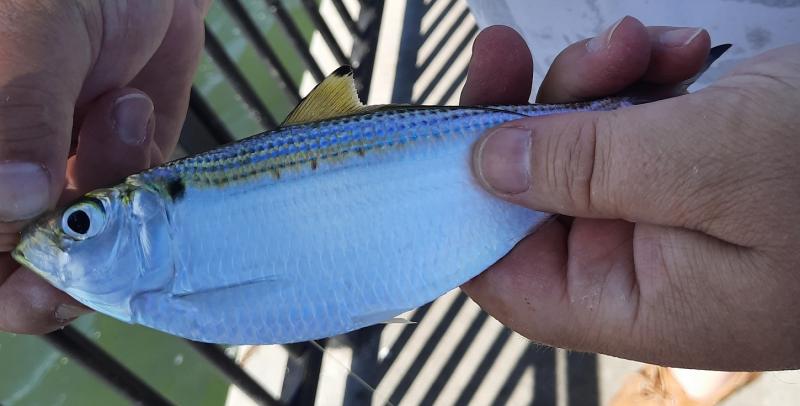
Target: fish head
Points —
{"points": [[86, 250]]}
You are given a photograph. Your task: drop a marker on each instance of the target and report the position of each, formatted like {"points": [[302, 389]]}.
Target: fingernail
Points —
{"points": [[502, 160], [24, 190], [601, 41], [66, 312], [131, 118], [680, 37]]}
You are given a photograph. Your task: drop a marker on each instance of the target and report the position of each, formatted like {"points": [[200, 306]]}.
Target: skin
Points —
{"points": [[682, 243], [60, 114]]}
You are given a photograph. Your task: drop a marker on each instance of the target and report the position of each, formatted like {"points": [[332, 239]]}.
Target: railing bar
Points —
{"points": [[363, 54], [365, 344], [348, 20], [445, 38], [236, 78], [104, 366], [209, 118], [406, 73], [325, 31], [307, 393], [234, 373], [296, 38], [278, 71]]}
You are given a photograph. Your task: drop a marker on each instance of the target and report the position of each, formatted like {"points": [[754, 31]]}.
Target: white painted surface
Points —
{"points": [[752, 26]]}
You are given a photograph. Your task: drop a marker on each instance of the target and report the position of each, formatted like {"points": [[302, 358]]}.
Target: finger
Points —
{"points": [[42, 66], [652, 163], [628, 53], [533, 270], [115, 141], [501, 69], [47, 74], [677, 54], [581, 291], [126, 35], [8, 241], [564, 290], [598, 67], [167, 78], [7, 266], [30, 305]]}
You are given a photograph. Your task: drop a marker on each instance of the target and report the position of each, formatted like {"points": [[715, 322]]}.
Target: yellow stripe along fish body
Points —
{"points": [[345, 217]]}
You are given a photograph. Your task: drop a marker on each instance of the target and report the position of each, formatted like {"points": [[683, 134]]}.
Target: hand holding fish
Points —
{"points": [[684, 245], [74, 117], [348, 215]]}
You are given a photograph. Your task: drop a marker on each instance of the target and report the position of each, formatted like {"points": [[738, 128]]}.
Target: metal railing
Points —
{"points": [[204, 129]]}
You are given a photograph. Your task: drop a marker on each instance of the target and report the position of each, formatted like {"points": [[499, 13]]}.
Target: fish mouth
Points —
{"points": [[29, 252], [19, 255]]}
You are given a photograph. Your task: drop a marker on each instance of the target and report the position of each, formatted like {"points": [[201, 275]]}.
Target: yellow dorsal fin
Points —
{"points": [[333, 97]]}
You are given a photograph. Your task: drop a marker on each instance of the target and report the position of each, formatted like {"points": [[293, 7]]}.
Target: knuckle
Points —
{"points": [[29, 114], [576, 162]]}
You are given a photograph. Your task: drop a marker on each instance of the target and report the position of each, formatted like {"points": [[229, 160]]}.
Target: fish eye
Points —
{"points": [[83, 220]]}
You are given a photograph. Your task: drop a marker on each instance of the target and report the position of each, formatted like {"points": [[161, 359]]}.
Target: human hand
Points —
{"points": [[685, 247], [89, 92]]}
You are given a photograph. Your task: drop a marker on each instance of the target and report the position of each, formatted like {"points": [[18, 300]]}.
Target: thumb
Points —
{"points": [[116, 140], [649, 163], [42, 67]]}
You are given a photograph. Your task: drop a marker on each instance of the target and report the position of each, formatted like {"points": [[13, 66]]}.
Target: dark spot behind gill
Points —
{"points": [[176, 189]]}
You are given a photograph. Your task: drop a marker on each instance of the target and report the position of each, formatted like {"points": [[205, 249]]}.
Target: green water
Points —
{"points": [[33, 373]]}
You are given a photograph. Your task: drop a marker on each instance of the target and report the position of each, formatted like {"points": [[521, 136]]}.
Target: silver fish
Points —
{"points": [[344, 217]]}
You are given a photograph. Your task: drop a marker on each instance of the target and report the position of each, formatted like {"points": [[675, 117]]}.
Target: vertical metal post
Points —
{"points": [[236, 78], [210, 120], [296, 37], [278, 71], [313, 12], [364, 48], [234, 373]]}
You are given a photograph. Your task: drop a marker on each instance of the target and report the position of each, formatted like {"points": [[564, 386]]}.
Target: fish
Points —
{"points": [[343, 217]]}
